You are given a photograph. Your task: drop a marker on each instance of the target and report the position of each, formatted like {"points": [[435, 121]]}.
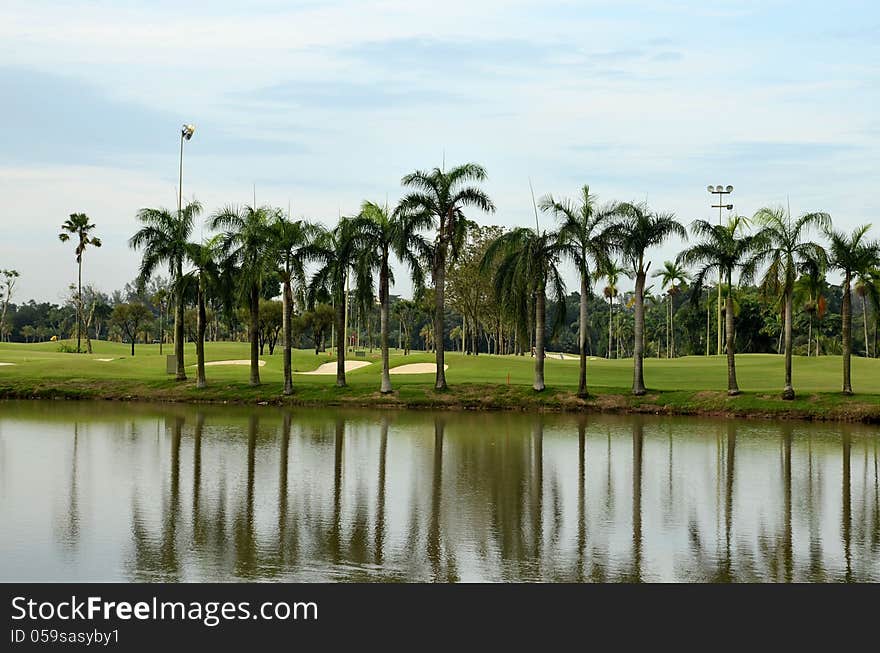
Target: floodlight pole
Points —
{"points": [[720, 191]]}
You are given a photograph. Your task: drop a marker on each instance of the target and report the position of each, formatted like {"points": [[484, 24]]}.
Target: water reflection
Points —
{"points": [[180, 494]]}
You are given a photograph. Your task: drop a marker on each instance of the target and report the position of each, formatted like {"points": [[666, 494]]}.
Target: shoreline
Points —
{"points": [[815, 407]]}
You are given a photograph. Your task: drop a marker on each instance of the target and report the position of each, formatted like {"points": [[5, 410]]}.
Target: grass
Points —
{"points": [[689, 385]]}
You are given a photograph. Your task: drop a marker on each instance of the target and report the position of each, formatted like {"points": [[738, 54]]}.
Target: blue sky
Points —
{"points": [[324, 104]]}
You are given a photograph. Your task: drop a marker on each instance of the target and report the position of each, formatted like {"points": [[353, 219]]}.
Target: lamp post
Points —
{"points": [[186, 133], [720, 191]]}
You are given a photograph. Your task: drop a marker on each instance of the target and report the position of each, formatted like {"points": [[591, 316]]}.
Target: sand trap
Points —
{"points": [[416, 368], [243, 361], [104, 360], [330, 368], [7, 363], [562, 357]]}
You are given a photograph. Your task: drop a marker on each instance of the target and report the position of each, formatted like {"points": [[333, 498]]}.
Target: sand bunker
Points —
{"points": [[416, 368], [7, 363], [243, 361], [562, 357], [330, 368], [104, 360]]}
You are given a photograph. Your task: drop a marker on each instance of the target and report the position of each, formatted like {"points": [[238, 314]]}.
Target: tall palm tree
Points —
{"points": [[672, 276], [724, 249], [206, 273], [247, 243], [808, 293], [334, 251], [528, 262], [292, 241], [378, 234], [868, 290], [579, 224], [634, 231], [785, 249], [611, 271], [78, 225], [853, 255], [443, 197], [164, 237]]}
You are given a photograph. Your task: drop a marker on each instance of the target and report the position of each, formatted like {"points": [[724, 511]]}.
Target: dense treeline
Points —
{"points": [[750, 284]]}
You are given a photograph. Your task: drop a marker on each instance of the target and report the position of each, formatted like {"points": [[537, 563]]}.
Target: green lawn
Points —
{"points": [[690, 384]]}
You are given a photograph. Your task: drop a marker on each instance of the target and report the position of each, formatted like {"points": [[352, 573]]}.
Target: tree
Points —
{"points": [[853, 255], [319, 320], [247, 243], [636, 229], [377, 234], [809, 292], [579, 225], [271, 323], [725, 250], [292, 240], [442, 197], [334, 251], [611, 271], [786, 247], [405, 310], [78, 225], [164, 238], [204, 259], [528, 261], [7, 286], [868, 289], [671, 278], [130, 318]]}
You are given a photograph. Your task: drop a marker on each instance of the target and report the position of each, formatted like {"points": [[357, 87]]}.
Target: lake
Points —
{"points": [[145, 492]]}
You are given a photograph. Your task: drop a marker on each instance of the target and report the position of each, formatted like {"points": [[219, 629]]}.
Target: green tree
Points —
{"points": [[786, 248], [441, 197], [204, 257], [723, 248], [247, 244], [378, 234], [79, 226], [164, 238], [672, 277], [611, 271], [580, 225], [854, 255], [7, 286], [405, 310], [809, 293], [130, 319], [292, 240], [528, 262], [319, 320], [635, 230]]}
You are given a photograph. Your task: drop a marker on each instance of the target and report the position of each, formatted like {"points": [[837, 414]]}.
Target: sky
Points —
{"points": [[320, 105]]}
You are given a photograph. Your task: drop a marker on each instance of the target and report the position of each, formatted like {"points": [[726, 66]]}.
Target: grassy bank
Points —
{"points": [[685, 386]]}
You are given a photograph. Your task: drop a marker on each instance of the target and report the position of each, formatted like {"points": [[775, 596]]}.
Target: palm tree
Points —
{"points": [[671, 276], [786, 248], [528, 263], [634, 231], [442, 197], [808, 293], [206, 272], [334, 251], [867, 288], [164, 239], [247, 244], [853, 255], [611, 271], [291, 240], [579, 226], [78, 225], [723, 249], [378, 234]]}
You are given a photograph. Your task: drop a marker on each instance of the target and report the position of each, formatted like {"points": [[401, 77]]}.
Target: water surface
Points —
{"points": [[116, 492]]}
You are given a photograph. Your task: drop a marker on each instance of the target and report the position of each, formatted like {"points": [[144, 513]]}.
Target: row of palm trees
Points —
{"points": [[612, 240]]}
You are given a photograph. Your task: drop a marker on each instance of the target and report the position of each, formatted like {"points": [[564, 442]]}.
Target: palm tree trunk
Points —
{"points": [[178, 329], [865, 323], [255, 335], [672, 326], [732, 387], [287, 306], [810, 334], [846, 315], [639, 336], [540, 317], [582, 338], [340, 343], [383, 318], [439, 274], [610, 321], [79, 301], [201, 327], [788, 391]]}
